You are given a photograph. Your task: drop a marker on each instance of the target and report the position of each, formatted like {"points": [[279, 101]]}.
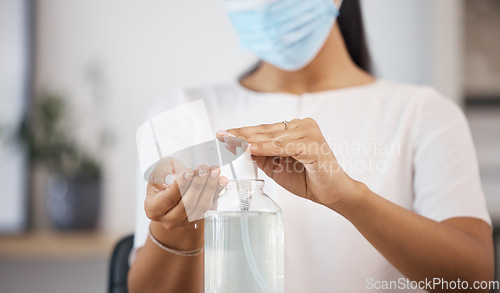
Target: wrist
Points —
{"points": [[349, 202], [180, 238]]}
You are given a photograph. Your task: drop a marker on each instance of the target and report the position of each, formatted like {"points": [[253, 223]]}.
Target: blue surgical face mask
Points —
{"points": [[285, 33]]}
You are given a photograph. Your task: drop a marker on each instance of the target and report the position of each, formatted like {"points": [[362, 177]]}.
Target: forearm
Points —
{"points": [[417, 246], [156, 270]]}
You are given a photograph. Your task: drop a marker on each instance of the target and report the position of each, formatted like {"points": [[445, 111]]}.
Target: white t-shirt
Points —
{"points": [[407, 143]]}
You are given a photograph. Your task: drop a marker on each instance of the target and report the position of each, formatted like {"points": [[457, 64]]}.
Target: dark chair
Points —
{"points": [[118, 268], [496, 239]]}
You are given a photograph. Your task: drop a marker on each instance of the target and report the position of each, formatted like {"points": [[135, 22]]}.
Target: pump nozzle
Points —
{"points": [[245, 199], [247, 169]]}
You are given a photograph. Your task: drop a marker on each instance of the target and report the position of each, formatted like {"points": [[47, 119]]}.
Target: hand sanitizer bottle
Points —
{"points": [[244, 241]]}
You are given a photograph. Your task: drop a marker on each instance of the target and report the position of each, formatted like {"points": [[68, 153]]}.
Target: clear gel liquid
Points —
{"points": [[244, 252]]}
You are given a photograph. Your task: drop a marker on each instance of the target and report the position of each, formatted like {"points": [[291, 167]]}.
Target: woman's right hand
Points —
{"points": [[176, 200], [178, 197]]}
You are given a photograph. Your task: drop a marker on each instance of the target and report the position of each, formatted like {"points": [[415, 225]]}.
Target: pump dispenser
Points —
{"points": [[244, 237]]}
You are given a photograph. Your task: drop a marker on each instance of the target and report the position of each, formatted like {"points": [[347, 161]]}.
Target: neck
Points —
{"points": [[332, 68]]}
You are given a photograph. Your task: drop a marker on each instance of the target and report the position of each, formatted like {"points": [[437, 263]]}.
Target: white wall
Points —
{"points": [[13, 75], [147, 48], [417, 41]]}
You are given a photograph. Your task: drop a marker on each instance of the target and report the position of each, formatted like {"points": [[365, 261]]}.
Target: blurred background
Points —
{"points": [[77, 78]]}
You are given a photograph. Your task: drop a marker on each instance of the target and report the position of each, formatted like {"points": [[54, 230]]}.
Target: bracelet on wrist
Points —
{"points": [[193, 252]]}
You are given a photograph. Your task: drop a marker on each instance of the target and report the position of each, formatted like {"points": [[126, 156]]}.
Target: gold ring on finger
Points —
{"points": [[286, 124]]}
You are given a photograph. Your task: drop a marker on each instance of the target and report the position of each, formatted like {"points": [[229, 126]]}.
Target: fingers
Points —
{"points": [[232, 143], [213, 186], [183, 180], [223, 181], [161, 169], [175, 217], [298, 141], [275, 138], [191, 195], [249, 131], [197, 199], [222, 134], [235, 141], [283, 135], [192, 185], [239, 137], [159, 201], [174, 198], [297, 149], [164, 167]]}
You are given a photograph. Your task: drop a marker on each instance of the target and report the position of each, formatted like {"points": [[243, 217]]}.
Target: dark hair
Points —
{"points": [[350, 21], [351, 26]]}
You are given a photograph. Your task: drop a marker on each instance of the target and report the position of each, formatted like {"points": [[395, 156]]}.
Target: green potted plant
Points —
{"points": [[73, 189]]}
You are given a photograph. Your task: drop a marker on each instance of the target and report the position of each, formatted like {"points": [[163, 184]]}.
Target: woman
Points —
{"points": [[395, 193]]}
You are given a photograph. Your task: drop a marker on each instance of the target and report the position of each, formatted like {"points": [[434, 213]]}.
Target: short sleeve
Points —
{"points": [[446, 173]]}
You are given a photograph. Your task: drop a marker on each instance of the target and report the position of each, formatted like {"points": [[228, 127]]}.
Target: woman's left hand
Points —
{"points": [[296, 155]]}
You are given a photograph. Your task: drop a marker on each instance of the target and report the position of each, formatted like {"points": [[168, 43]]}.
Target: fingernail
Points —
{"points": [[221, 132], [214, 173], [230, 134], [188, 175], [223, 181], [169, 179], [202, 172], [244, 145]]}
